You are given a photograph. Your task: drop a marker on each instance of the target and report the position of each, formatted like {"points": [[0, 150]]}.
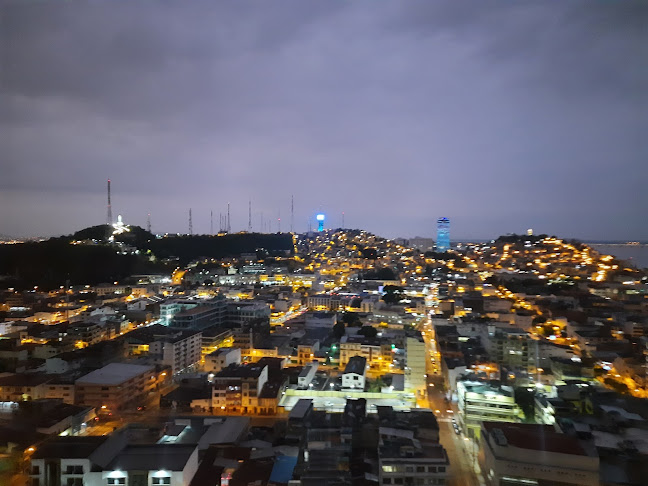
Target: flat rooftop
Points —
{"points": [[114, 374], [536, 437]]}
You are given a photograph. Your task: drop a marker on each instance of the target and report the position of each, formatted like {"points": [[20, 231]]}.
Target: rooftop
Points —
{"points": [[168, 457], [114, 374], [68, 447], [535, 437]]}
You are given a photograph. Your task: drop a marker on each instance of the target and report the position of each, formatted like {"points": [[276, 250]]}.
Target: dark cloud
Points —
{"points": [[499, 115]]}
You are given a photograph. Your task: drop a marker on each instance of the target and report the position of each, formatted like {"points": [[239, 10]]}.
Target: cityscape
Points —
{"points": [[323, 243]]}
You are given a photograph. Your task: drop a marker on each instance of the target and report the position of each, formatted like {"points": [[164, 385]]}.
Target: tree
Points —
{"points": [[351, 319], [392, 294], [368, 332], [339, 330]]}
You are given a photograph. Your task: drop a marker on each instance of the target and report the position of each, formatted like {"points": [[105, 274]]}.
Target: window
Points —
{"points": [[75, 482], [166, 480], [442, 469], [420, 468], [35, 470], [74, 469], [409, 469], [112, 481]]}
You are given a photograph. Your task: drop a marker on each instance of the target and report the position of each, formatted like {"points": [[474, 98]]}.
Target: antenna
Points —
{"points": [[229, 225], [343, 220], [262, 227], [249, 215], [211, 221], [279, 223], [292, 212], [109, 219], [148, 223], [190, 223]]}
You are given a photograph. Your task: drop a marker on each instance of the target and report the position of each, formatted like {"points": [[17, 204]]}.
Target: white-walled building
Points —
{"points": [[354, 376], [221, 359]]}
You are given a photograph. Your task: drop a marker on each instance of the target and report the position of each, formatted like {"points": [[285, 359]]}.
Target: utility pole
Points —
{"points": [[190, 223]]}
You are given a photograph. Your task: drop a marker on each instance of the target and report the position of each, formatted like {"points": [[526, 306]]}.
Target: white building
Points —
{"points": [[415, 371], [222, 358], [354, 376], [478, 402], [180, 351], [108, 461]]}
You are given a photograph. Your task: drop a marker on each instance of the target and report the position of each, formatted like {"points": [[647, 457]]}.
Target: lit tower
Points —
{"points": [[320, 221], [109, 219], [443, 234]]}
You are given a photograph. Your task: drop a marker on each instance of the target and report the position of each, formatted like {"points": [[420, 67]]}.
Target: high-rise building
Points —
{"points": [[443, 234]]}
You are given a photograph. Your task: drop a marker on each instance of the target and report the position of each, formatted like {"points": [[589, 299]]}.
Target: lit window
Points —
{"points": [[166, 480]]}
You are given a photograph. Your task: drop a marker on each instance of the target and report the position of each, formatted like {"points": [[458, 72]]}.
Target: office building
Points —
{"points": [[443, 234]]}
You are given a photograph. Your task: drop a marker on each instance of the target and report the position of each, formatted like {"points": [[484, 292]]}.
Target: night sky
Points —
{"points": [[499, 115]]}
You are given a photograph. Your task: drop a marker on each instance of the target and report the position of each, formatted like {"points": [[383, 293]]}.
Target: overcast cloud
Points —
{"points": [[499, 115]]}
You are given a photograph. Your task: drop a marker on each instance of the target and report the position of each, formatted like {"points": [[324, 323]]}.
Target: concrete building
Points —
{"points": [[221, 358], [404, 460], [243, 313], [510, 347], [117, 385], [415, 368], [478, 402], [108, 461], [237, 388], [379, 355], [180, 351], [355, 373], [306, 375], [534, 454]]}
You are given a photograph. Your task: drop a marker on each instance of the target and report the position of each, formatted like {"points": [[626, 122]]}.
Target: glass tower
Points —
{"points": [[443, 234]]}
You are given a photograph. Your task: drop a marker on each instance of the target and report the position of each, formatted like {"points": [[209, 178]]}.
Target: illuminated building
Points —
{"points": [[320, 222], [443, 234]]}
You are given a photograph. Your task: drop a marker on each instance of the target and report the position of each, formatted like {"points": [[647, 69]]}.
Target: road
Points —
{"points": [[462, 452]]}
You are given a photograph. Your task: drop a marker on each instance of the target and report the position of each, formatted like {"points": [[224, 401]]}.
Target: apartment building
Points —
{"points": [[180, 351], [237, 388], [478, 402], [117, 385]]}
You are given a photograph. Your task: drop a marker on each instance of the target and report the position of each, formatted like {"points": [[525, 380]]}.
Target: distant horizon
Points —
{"points": [[462, 239]]}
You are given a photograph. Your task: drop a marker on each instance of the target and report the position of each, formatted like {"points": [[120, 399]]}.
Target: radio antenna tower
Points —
{"points": [[109, 219], [148, 223], [249, 215], [343, 220], [292, 212], [229, 225], [211, 221], [279, 222], [190, 223]]}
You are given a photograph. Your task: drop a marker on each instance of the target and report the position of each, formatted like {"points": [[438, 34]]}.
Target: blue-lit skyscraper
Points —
{"points": [[443, 234], [320, 222]]}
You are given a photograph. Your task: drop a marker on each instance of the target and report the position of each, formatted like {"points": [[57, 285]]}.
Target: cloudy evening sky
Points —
{"points": [[499, 115]]}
